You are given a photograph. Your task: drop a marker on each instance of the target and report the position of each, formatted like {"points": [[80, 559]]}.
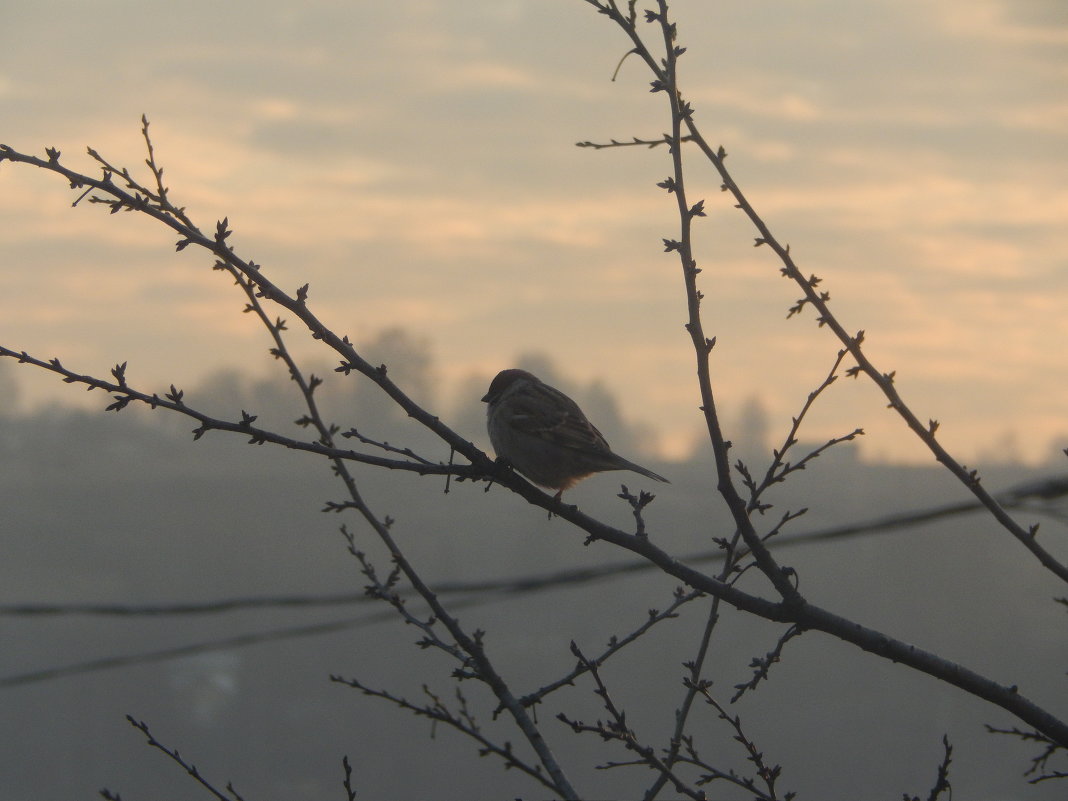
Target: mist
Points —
{"points": [[127, 510]]}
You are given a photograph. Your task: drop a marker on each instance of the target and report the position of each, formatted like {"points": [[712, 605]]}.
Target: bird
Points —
{"points": [[544, 434]]}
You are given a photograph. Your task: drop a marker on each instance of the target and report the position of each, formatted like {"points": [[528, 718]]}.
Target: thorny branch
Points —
{"points": [[665, 79], [779, 469], [792, 607], [941, 784], [254, 282], [174, 400], [462, 721], [762, 664], [793, 611], [350, 792], [768, 774], [615, 645], [386, 591], [616, 729], [684, 129], [1039, 769], [188, 767], [650, 143], [683, 246]]}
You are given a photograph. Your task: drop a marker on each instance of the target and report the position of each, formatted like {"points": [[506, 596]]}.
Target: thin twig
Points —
{"points": [[616, 729], [437, 711], [189, 768]]}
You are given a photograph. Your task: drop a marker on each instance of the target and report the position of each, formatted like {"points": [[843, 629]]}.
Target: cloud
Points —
{"points": [[415, 161]]}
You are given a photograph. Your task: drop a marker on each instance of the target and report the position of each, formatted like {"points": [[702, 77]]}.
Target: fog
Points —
{"points": [[127, 509]]}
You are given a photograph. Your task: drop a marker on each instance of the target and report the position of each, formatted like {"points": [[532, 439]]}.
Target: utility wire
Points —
{"points": [[472, 593]]}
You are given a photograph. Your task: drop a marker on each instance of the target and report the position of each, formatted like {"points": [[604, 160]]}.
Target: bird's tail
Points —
{"points": [[637, 468]]}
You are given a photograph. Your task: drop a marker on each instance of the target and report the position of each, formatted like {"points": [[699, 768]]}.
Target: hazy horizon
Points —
{"points": [[106, 508], [226, 391], [415, 162]]}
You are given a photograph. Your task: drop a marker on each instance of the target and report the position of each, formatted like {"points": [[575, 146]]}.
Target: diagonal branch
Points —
{"points": [[793, 608], [462, 721], [173, 400], [188, 767], [157, 205], [665, 79]]}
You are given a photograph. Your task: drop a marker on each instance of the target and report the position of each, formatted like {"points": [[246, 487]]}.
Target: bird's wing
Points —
{"points": [[558, 419]]}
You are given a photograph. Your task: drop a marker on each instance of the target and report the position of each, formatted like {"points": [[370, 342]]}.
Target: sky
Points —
{"points": [[415, 162]]}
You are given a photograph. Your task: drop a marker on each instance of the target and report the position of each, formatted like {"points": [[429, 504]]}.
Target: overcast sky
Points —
{"points": [[415, 162]]}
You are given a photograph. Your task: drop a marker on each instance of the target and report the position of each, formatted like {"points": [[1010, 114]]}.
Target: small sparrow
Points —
{"points": [[544, 435]]}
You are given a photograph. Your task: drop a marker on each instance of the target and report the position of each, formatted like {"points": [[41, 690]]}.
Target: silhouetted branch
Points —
{"points": [[387, 592], [794, 610], [117, 190], [941, 784], [257, 285], [1044, 489], [174, 400], [650, 143], [779, 468], [794, 607], [637, 505], [682, 115], [463, 721], [767, 774], [762, 664], [350, 792], [1039, 764], [615, 729], [143, 200], [352, 432], [696, 665], [680, 111], [188, 767], [615, 645], [1048, 488]]}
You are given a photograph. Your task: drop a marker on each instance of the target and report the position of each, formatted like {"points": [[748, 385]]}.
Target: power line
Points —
{"points": [[472, 593]]}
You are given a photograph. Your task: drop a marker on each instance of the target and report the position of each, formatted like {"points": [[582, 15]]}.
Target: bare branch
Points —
{"points": [[767, 774], [462, 721], [230, 795], [616, 729], [941, 784], [615, 645]]}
